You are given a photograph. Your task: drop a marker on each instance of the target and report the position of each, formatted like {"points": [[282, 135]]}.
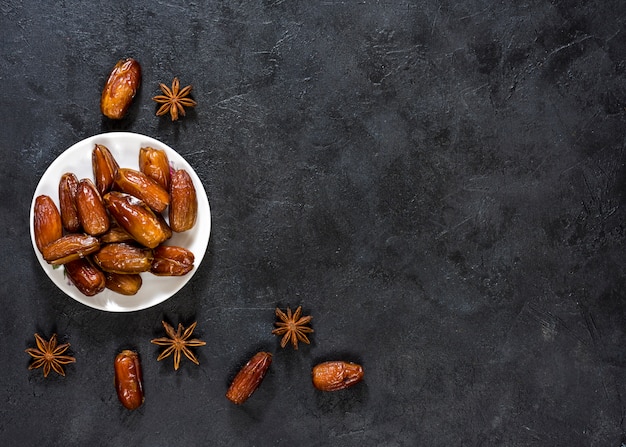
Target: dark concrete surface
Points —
{"points": [[440, 184]]}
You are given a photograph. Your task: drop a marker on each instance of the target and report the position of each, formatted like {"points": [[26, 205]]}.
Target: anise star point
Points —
{"points": [[178, 342], [174, 100], [49, 355], [292, 326]]}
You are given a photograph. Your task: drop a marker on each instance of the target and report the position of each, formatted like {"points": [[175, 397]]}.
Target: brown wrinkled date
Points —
{"points": [[47, 226], [85, 276], [69, 248], [184, 206], [139, 185], [120, 88], [137, 219], [128, 379], [123, 283], [170, 260], [123, 258], [104, 168], [156, 165], [249, 378], [68, 186], [115, 234], [92, 214], [336, 375]]}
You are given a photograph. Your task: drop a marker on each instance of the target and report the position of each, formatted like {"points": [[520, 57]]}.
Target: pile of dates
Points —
{"points": [[107, 232]]}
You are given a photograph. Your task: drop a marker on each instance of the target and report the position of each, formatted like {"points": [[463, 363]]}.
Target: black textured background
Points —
{"points": [[441, 184]]}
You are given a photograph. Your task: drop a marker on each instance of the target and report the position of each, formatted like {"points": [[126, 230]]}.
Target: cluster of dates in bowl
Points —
{"points": [[119, 221]]}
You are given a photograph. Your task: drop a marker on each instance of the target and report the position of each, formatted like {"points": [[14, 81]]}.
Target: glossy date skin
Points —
{"points": [[139, 185], [69, 248], [85, 276], [156, 165], [184, 202], [171, 261], [336, 375], [104, 168], [68, 187], [92, 214], [128, 379], [123, 258], [137, 219], [120, 88], [249, 378], [47, 223], [124, 284]]}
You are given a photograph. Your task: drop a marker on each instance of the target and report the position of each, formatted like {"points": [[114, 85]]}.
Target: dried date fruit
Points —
{"points": [[249, 378], [156, 165], [128, 379], [92, 213], [184, 202], [68, 186], [115, 234], [137, 219], [170, 260], [336, 375], [125, 284], [104, 168], [139, 185], [120, 88], [47, 226], [69, 248], [87, 278], [123, 258]]}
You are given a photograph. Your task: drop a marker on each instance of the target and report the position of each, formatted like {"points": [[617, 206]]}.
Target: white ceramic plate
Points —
{"points": [[124, 146]]}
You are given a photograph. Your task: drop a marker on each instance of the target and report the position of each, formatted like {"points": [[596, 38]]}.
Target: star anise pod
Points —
{"points": [[174, 100], [292, 327], [49, 355], [178, 342]]}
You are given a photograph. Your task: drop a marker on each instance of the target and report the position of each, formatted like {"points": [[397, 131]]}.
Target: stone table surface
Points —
{"points": [[441, 185]]}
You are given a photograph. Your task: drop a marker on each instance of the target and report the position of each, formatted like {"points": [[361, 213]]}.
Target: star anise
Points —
{"points": [[174, 100], [178, 342], [49, 355], [292, 327]]}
